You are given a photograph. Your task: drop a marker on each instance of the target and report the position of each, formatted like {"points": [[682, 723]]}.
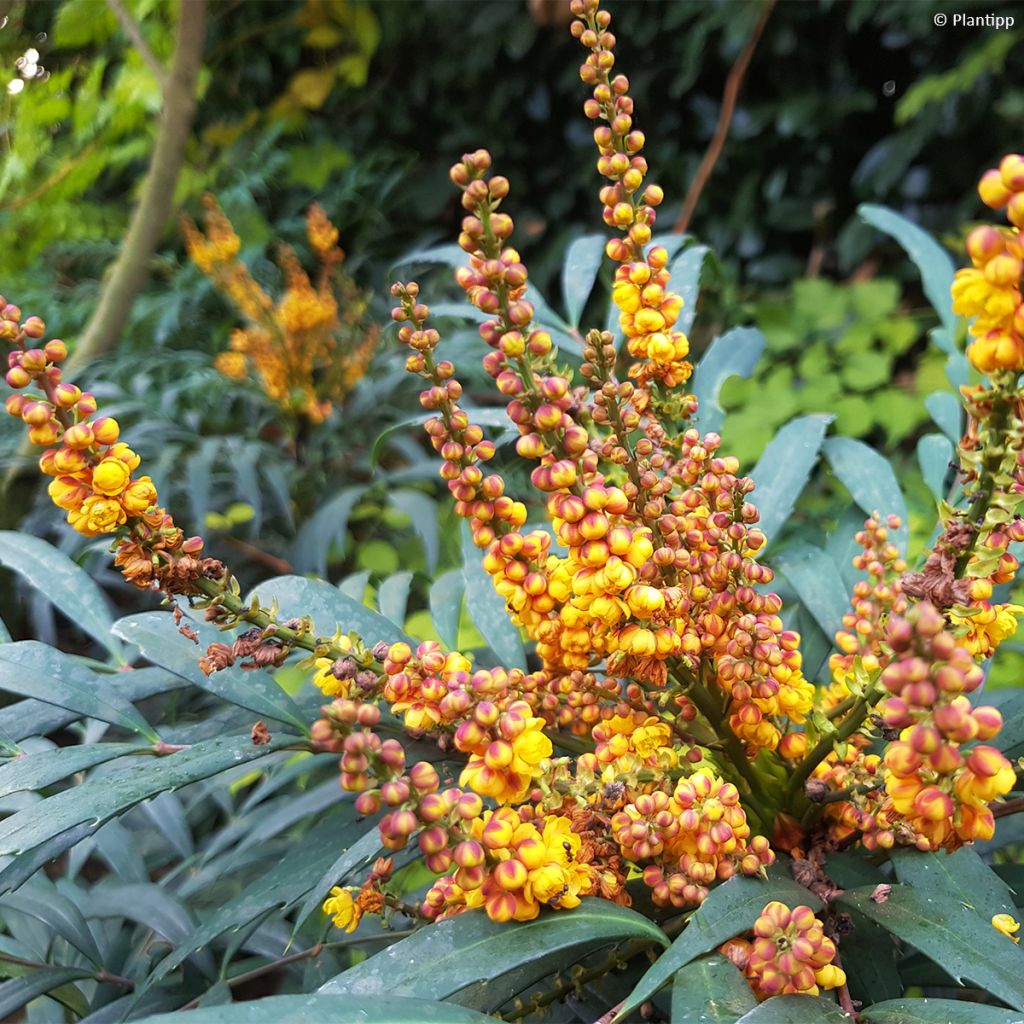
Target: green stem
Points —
{"points": [[825, 746], [997, 429], [756, 796]]}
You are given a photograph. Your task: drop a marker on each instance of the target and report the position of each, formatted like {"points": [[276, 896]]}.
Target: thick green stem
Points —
{"points": [[997, 428], [826, 744], [755, 797]]}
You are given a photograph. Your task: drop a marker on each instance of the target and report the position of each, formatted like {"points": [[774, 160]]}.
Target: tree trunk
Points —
{"points": [[127, 276], [129, 272]]}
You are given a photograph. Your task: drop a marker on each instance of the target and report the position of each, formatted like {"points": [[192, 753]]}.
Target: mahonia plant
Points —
{"points": [[667, 733], [308, 349]]}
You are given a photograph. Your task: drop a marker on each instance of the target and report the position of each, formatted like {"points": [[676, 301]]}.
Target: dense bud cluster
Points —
{"points": [[309, 348], [648, 308], [788, 954], [939, 787], [690, 839], [512, 865], [667, 729], [990, 290]]}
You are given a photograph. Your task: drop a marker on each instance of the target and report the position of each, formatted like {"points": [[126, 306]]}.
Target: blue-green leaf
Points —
{"points": [[582, 262], [934, 453], [159, 640], [43, 768], [934, 1011], [16, 993], [711, 990], [729, 910], [870, 480], [67, 684], [326, 526], [64, 583], [358, 855], [326, 1009], [58, 913], [947, 412], [817, 582], [422, 511], [933, 262], [795, 1010], [393, 597], [487, 608], [98, 799], [784, 469], [733, 354], [686, 270], [959, 940], [446, 606], [354, 585], [328, 607], [476, 962]]}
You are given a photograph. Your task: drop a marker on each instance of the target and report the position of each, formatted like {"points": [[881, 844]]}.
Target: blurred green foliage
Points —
{"points": [[849, 350]]}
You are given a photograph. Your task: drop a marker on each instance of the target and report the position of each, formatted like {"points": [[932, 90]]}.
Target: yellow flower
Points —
{"points": [[328, 683], [231, 364], [987, 627], [97, 514], [139, 496], [1007, 925], [343, 909], [110, 477]]}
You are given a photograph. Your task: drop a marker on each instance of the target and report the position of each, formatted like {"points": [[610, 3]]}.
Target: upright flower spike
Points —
{"points": [[93, 473], [309, 349], [989, 291], [648, 309]]}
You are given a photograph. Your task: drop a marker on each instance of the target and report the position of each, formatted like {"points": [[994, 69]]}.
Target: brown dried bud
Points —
{"points": [[260, 734]]}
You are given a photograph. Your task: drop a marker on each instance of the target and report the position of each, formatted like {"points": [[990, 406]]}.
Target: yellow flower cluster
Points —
{"points": [[513, 866], [690, 839], [789, 954], [91, 469], [648, 309], [989, 291], [310, 348]]}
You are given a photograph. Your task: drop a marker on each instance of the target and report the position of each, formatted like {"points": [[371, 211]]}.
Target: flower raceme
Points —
{"points": [[93, 473], [990, 290], [308, 349]]}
